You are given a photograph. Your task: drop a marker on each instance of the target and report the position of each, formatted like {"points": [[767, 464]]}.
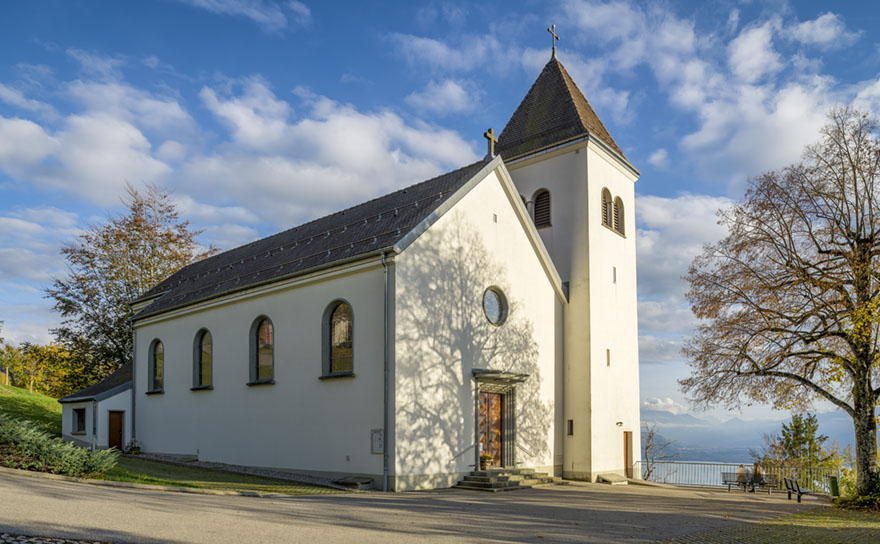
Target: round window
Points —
{"points": [[495, 305]]}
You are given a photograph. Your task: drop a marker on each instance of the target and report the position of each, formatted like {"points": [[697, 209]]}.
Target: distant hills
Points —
{"points": [[710, 439]]}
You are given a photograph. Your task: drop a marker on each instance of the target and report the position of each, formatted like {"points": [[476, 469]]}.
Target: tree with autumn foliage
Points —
{"points": [[789, 298], [110, 265]]}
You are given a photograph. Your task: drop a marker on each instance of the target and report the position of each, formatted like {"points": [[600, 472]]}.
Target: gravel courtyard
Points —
{"points": [[580, 512]]}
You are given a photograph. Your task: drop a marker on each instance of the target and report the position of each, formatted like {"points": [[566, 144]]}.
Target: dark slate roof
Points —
{"points": [[365, 229], [116, 381], [554, 111]]}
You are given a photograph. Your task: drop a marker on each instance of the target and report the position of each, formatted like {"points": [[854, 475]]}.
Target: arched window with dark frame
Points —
{"points": [[606, 208], [157, 366], [338, 339], [262, 356], [541, 201], [618, 216], [203, 360]]}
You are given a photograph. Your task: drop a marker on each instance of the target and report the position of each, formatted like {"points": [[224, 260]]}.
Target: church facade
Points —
{"points": [[489, 310]]}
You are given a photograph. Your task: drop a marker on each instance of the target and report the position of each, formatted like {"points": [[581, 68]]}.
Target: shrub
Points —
{"points": [[871, 501], [24, 446]]}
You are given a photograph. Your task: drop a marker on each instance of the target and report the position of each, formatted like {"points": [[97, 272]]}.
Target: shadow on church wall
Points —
{"points": [[442, 334]]}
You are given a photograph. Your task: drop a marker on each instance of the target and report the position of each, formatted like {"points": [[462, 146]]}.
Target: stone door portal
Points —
{"points": [[491, 426]]}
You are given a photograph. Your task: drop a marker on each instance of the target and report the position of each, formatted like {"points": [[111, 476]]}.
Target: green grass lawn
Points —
{"points": [[820, 526], [39, 409], [142, 471]]}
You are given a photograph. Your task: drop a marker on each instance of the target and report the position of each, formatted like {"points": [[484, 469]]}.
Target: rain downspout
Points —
{"points": [[94, 425], [385, 423]]}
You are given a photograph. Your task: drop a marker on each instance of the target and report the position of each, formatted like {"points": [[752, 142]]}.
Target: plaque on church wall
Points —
{"points": [[377, 440]]}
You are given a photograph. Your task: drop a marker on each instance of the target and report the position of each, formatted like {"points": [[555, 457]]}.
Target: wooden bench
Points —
{"points": [[792, 486], [729, 479]]}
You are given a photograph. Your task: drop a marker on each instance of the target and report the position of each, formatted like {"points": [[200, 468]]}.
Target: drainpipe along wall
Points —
{"points": [[385, 422]]}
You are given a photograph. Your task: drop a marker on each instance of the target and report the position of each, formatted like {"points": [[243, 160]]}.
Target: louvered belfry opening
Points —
{"points": [[542, 208], [606, 207], [618, 215]]}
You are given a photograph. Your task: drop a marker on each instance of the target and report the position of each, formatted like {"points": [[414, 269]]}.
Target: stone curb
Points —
{"points": [[151, 487]]}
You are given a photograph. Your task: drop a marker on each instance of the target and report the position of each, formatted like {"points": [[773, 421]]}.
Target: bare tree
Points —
{"points": [[110, 265], [655, 449], [790, 298]]}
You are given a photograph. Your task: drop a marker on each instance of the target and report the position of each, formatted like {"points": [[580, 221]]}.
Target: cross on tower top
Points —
{"points": [[490, 136], [552, 30]]}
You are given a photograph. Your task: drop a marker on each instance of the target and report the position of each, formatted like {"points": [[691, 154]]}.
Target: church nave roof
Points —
{"points": [[357, 231]]}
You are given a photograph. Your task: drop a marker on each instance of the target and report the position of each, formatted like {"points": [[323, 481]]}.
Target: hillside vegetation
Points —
{"points": [[44, 412]]}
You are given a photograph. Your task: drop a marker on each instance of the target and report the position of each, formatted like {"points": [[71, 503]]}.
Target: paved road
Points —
{"points": [[580, 512]]}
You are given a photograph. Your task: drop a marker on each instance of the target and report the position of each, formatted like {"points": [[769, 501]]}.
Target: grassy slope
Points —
{"points": [[39, 409]]}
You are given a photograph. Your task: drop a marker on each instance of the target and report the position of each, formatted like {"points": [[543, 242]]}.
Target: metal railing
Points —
{"points": [[709, 474]]}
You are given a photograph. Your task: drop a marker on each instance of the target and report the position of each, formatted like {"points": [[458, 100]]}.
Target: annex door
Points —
{"points": [[491, 426], [628, 453], [114, 430]]}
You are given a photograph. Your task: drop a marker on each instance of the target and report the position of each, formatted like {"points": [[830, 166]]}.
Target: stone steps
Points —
{"points": [[495, 480]]}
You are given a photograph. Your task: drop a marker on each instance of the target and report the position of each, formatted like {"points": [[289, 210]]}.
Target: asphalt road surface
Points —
{"points": [[580, 512]]}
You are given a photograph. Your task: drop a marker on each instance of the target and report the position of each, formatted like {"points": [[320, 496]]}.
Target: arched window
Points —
{"points": [[338, 339], [262, 364], [157, 366], [618, 215], [203, 358], [542, 208], [606, 207]]}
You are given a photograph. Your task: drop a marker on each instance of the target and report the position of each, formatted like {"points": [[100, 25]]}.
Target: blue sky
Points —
{"points": [[239, 106]]}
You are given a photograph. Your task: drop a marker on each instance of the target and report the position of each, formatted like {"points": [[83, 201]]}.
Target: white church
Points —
{"points": [[490, 310]]}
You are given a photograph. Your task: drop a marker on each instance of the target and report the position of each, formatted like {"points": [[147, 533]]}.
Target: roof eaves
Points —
{"points": [[343, 262], [98, 396]]}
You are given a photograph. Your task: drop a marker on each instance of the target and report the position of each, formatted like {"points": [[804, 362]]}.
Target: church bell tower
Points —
{"points": [[579, 189]]}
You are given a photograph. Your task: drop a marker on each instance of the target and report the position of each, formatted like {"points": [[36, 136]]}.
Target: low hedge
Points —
{"points": [[24, 446]]}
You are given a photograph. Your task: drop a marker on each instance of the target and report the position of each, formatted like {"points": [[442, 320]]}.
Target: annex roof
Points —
{"points": [[554, 111], [365, 229], [115, 383]]}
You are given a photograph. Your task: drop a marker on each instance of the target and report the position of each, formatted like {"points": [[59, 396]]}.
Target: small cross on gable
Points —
{"points": [[492, 140]]}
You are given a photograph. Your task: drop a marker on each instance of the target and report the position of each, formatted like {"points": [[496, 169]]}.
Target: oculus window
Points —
{"points": [[495, 305]]}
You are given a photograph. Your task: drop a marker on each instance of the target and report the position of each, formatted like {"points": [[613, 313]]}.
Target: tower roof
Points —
{"points": [[554, 111]]}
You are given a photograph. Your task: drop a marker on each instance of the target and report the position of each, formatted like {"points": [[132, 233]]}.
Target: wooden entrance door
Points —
{"points": [[491, 426], [628, 453], [114, 432]]}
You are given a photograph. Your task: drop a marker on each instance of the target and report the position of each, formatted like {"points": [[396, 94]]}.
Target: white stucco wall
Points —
{"points": [[300, 423], [442, 335], [614, 388], [119, 402], [600, 315]]}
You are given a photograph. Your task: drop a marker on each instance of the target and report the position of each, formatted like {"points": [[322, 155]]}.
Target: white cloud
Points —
{"points": [[653, 349], [671, 232], [659, 159], [751, 54], [150, 112], [23, 144], [97, 65], [448, 96], [665, 404], [272, 16], [471, 52], [827, 30], [257, 118], [352, 155], [16, 98]]}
